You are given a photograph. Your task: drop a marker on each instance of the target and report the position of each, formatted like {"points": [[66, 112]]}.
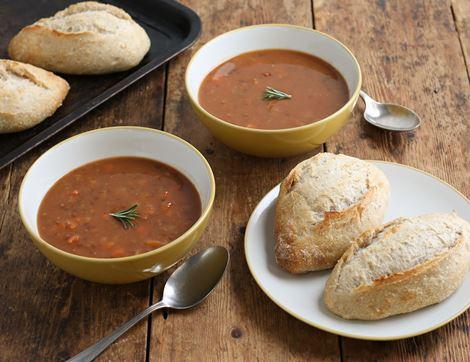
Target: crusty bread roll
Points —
{"points": [[324, 204], [405, 265], [28, 95], [85, 38]]}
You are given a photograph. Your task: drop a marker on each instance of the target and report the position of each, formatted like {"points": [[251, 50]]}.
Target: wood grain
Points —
{"points": [[46, 314], [461, 12], [238, 322], [410, 54]]}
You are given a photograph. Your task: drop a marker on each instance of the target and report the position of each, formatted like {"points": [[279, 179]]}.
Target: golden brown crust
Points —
{"points": [[426, 283], [28, 95], [85, 38], [315, 223]]}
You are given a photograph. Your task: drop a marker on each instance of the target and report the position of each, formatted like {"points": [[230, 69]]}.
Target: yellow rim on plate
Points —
{"points": [[336, 331], [201, 218], [349, 103]]}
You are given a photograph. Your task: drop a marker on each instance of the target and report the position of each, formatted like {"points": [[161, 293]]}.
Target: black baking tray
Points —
{"points": [[171, 27]]}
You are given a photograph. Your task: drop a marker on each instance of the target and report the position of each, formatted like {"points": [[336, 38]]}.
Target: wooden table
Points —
{"points": [[412, 52]]}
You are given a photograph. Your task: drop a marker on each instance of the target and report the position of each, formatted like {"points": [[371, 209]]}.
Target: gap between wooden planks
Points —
{"points": [[461, 14]]}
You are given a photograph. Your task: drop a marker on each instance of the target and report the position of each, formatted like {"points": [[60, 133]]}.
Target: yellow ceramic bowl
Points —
{"points": [[114, 142], [283, 142]]}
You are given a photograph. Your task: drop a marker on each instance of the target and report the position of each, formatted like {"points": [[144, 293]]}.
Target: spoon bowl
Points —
{"points": [[196, 278], [188, 286], [391, 117]]}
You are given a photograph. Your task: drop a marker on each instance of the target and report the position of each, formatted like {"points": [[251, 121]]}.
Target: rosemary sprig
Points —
{"points": [[126, 217], [273, 94]]}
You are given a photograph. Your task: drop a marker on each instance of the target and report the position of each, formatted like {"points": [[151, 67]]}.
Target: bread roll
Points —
{"points": [[85, 38], [407, 264], [28, 95], [324, 204]]}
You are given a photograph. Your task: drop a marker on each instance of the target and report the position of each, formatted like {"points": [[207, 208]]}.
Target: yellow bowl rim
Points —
{"points": [[171, 244], [336, 331], [352, 99]]}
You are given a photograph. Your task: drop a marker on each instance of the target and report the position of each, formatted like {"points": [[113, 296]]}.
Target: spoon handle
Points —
{"points": [[95, 350], [367, 98]]}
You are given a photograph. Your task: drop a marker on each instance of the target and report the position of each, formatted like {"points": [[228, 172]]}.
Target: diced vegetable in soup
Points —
{"points": [[273, 89], [118, 207]]}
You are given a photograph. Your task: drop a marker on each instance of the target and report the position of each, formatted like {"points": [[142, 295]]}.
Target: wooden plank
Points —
{"points": [[410, 53], [5, 184], [461, 12], [237, 322], [46, 314]]}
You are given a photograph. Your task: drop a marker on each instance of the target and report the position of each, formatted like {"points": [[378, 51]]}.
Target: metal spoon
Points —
{"points": [[388, 116], [189, 285]]}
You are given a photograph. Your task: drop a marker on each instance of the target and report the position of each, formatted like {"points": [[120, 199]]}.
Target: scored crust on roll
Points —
{"points": [[324, 204], [405, 265], [28, 95], [85, 38]]}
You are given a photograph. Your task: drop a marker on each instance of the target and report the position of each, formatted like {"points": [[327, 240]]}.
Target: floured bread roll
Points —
{"points": [[85, 38], [28, 95], [405, 265], [324, 204]]}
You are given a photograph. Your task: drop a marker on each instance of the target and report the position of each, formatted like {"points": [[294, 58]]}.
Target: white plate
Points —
{"points": [[413, 192]]}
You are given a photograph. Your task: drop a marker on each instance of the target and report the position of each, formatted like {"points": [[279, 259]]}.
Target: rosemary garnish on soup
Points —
{"points": [[126, 217], [274, 94]]}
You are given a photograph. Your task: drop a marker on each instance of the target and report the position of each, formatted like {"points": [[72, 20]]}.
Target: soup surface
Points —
{"points": [[75, 215], [235, 91]]}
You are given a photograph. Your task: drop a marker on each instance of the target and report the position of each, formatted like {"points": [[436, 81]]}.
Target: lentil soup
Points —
{"points": [[152, 204], [273, 89]]}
